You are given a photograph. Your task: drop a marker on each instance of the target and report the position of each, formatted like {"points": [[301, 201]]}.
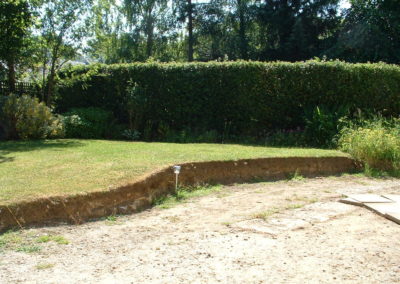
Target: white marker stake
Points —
{"points": [[177, 170]]}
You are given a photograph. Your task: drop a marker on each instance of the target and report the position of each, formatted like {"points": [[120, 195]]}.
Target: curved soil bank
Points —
{"points": [[140, 194]]}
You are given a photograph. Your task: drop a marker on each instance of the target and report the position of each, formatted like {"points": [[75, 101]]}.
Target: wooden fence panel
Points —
{"points": [[20, 88]]}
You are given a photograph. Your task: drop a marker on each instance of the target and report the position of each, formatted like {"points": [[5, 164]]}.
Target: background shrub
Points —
{"points": [[376, 143], [129, 134], [231, 99], [286, 138], [25, 118], [322, 124], [88, 122]]}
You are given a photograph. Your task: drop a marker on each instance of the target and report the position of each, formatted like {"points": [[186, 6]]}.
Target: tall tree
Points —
{"points": [[185, 11], [145, 16], [244, 25], [371, 32], [242, 9], [15, 20], [108, 43], [210, 30], [190, 29], [297, 29], [62, 27]]}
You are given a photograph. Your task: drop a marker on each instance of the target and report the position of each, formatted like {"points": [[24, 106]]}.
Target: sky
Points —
{"points": [[345, 4]]}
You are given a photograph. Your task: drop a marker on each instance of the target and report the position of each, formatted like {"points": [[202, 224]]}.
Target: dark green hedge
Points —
{"points": [[235, 98]]}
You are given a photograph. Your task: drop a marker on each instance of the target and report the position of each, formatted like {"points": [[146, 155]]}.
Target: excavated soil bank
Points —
{"points": [[140, 194]]}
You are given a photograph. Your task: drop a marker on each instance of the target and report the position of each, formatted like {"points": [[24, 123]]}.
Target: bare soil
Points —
{"points": [[277, 232], [139, 194]]}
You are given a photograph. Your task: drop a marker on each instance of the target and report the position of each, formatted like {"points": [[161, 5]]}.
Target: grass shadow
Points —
{"points": [[4, 159], [10, 147]]}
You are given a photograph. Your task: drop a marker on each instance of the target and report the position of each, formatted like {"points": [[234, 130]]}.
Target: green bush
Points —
{"points": [[286, 138], [376, 143], [25, 118], [129, 134], [88, 123], [234, 99], [323, 124]]}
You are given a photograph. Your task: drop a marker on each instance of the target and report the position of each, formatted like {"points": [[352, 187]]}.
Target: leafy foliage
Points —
{"points": [[323, 124], [375, 142], [232, 98], [131, 134], [26, 118], [286, 138], [294, 30], [371, 32], [61, 29], [87, 122], [15, 20]]}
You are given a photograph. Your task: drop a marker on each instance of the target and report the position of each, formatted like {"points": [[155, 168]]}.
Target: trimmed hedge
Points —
{"points": [[231, 98]]}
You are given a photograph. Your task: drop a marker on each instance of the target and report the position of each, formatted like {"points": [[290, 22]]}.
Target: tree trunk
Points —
{"points": [[52, 75], [190, 30], [50, 84], [11, 74], [44, 77], [242, 29], [150, 35]]}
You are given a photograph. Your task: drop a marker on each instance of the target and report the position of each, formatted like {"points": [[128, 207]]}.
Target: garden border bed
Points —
{"points": [[141, 194]]}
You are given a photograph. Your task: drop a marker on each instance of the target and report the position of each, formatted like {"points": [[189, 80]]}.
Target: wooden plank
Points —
{"points": [[384, 208], [370, 198], [351, 201], [394, 197], [395, 217]]}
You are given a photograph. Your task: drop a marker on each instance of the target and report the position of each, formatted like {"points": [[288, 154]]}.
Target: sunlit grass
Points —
{"points": [[58, 167]]}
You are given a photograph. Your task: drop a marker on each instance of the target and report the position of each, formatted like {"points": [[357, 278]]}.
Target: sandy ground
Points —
{"points": [[280, 232]]}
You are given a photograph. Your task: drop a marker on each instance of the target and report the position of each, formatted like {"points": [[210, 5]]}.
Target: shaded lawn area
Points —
{"points": [[57, 167]]}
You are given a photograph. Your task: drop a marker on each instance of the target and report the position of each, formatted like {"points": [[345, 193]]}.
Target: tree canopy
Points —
{"points": [[15, 20], [60, 32]]}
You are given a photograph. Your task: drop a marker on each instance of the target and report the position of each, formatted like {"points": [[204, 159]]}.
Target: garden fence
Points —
{"points": [[27, 88]]}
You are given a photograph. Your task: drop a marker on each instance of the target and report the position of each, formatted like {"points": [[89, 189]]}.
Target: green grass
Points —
{"points": [[295, 206], [47, 238], [264, 215], [42, 266], [376, 143], [182, 194], [22, 241], [29, 249], [35, 169], [296, 176], [112, 220]]}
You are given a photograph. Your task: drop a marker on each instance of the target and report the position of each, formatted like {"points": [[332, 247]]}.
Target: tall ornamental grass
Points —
{"points": [[376, 143]]}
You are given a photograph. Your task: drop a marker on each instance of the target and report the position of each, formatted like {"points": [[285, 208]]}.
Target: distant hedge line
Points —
{"points": [[242, 98]]}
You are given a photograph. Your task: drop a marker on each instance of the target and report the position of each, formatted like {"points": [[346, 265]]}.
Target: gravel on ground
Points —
{"points": [[273, 232]]}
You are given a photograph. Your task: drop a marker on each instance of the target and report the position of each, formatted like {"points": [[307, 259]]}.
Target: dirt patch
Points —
{"points": [[140, 194], [308, 238]]}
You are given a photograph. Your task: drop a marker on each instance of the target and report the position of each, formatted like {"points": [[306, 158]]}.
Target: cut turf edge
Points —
{"points": [[141, 193]]}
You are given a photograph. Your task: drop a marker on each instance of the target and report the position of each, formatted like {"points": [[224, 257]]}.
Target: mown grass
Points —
{"points": [[35, 169]]}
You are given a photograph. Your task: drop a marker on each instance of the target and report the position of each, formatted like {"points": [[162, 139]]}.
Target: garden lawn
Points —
{"points": [[58, 167]]}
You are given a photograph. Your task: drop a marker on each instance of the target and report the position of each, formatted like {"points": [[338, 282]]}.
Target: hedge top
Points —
{"points": [[228, 64]]}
